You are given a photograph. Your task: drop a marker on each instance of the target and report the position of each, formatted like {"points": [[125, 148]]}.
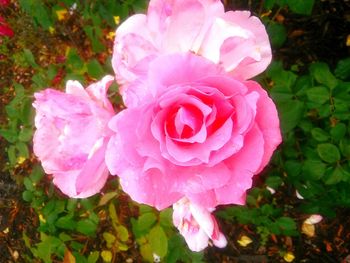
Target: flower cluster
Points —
{"points": [[195, 129]]}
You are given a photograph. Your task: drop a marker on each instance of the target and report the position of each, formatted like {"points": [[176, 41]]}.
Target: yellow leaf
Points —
{"points": [[42, 219], [21, 159], [122, 247], [308, 229], [266, 14], [106, 198], [348, 41], [106, 255], [289, 257], [110, 35], [116, 20], [51, 30], [244, 241], [61, 14], [146, 252]]}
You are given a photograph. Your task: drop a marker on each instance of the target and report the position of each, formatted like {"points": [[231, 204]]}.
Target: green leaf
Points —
{"points": [[27, 112], [25, 135], [145, 209], [95, 69], [29, 57], [87, 203], [64, 237], [318, 94], [123, 233], [338, 132], [268, 4], [303, 7], [344, 146], [66, 222], [338, 175], [22, 150], [286, 223], [9, 135], [158, 241], [11, 152], [277, 33], [166, 218], [274, 181], [319, 134], [342, 70], [26, 239], [86, 227], [113, 213], [146, 221], [313, 170], [320, 71], [283, 83], [27, 196], [93, 257], [328, 152], [41, 15], [71, 204], [93, 33], [28, 184], [74, 60], [291, 112], [293, 168], [36, 174], [110, 238], [146, 252], [107, 197]]}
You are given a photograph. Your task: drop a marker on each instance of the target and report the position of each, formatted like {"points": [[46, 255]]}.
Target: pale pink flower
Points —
{"points": [[193, 132], [235, 39], [313, 219], [197, 225], [72, 135]]}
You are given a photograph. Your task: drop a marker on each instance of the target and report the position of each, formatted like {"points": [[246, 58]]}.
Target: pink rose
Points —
{"points": [[235, 39], [72, 135], [197, 225], [193, 132], [4, 2]]}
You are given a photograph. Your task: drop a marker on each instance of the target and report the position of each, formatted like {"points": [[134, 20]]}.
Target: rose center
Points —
{"points": [[185, 121]]}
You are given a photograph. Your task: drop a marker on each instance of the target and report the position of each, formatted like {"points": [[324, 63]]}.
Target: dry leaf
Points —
{"points": [[289, 257], [244, 241], [308, 229], [68, 257]]}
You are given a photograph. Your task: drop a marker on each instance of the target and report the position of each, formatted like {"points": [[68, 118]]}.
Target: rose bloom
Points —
{"points": [[197, 225], [235, 39], [4, 2], [72, 135], [194, 132], [5, 29]]}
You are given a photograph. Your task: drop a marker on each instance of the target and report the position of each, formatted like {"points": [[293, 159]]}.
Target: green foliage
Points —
{"points": [[313, 158], [303, 7], [19, 129], [157, 238], [267, 217], [315, 150]]}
